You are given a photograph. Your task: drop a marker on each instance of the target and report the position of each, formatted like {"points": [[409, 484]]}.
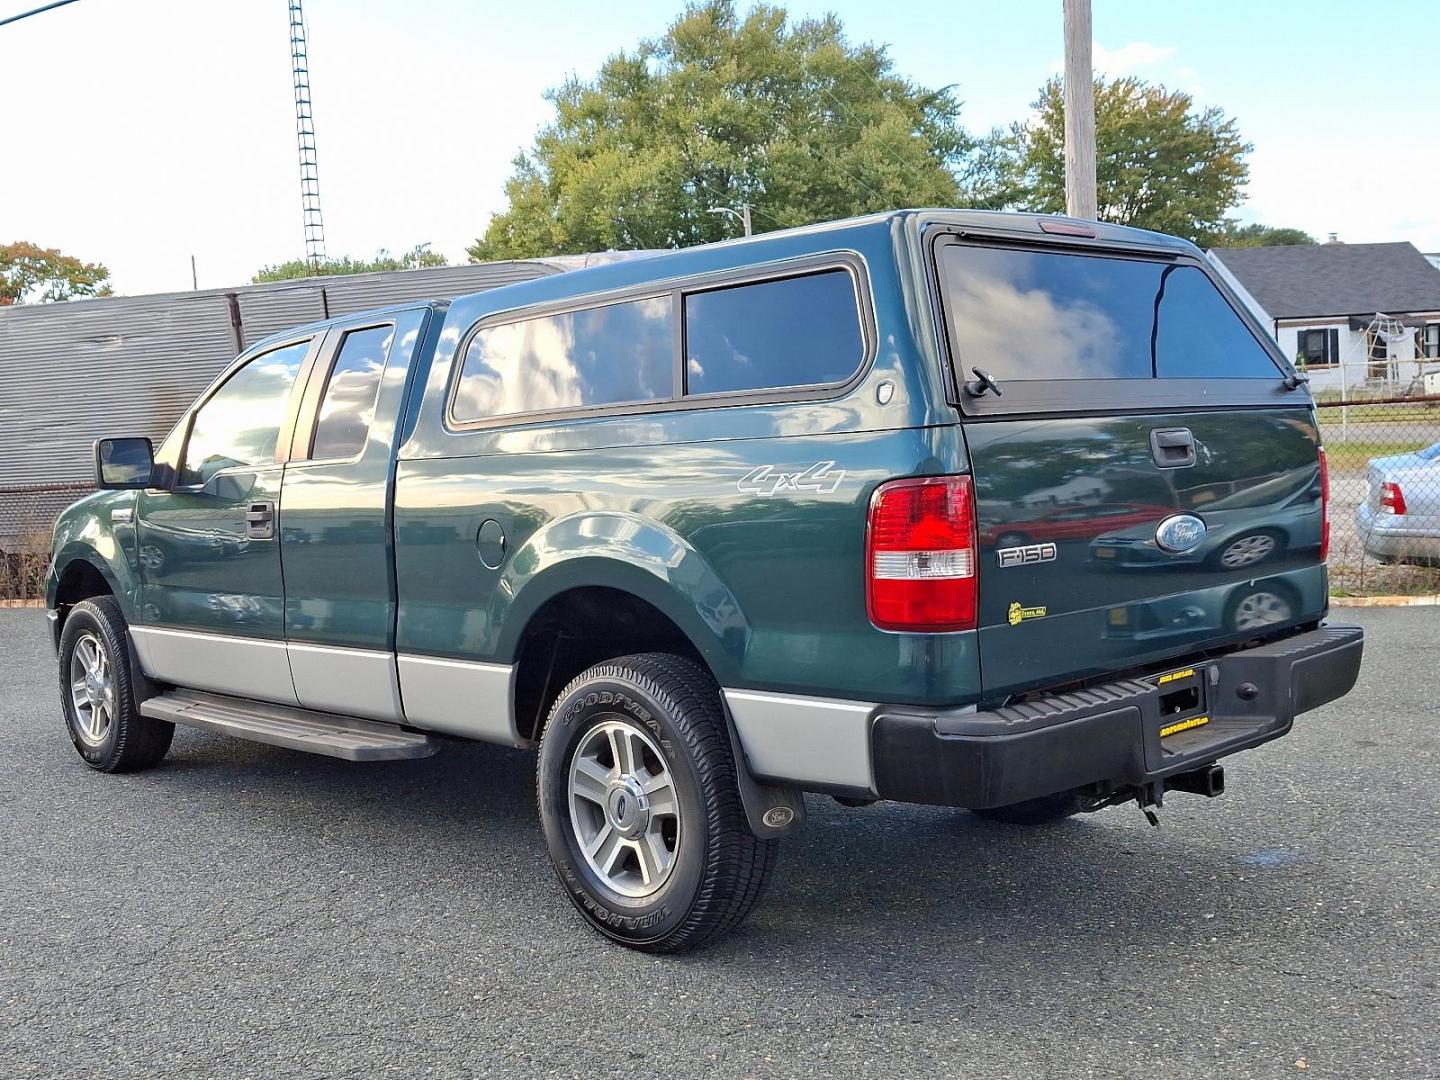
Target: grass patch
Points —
{"points": [[1331, 413], [1355, 455]]}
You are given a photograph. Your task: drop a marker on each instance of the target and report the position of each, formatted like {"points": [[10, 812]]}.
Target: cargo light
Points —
{"points": [[1392, 498], [920, 555]]}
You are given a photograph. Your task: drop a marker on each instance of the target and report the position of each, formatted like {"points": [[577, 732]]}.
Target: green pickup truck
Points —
{"points": [[1014, 513]]}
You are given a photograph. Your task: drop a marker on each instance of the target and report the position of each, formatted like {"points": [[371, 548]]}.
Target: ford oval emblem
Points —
{"points": [[1180, 533]]}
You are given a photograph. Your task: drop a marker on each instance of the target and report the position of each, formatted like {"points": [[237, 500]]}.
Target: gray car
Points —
{"points": [[1400, 517]]}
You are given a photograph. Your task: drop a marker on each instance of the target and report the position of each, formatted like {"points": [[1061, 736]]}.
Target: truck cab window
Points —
{"points": [[348, 404], [240, 423]]}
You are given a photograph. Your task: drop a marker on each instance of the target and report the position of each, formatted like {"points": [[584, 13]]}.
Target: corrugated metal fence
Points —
{"points": [[71, 373]]}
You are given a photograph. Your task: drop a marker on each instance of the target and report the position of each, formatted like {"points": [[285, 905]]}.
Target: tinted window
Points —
{"points": [[1201, 337], [802, 331], [1043, 315], [599, 356], [241, 422], [348, 404]]}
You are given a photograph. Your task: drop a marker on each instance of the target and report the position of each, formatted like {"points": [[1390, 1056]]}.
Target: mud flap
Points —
{"points": [[770, 811]]}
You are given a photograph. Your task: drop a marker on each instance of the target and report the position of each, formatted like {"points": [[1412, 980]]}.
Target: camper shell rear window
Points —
{"points": [[1024, 314]]}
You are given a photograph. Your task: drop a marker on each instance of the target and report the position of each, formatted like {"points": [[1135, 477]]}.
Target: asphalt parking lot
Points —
{"points": [[250, 911]]}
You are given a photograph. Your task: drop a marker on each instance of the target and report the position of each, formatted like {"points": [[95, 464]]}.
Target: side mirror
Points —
{"points": [[123, 463]]}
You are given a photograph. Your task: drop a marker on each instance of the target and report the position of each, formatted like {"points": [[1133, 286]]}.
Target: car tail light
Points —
{"points": [[920, 555], [1392, 498], [1324, 506]]}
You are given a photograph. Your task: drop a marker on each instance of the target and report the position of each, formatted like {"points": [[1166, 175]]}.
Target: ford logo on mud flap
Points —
{"points": [[1180, 533]]}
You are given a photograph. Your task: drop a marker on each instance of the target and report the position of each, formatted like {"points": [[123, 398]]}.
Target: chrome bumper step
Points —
{"points": [[298, 729]]}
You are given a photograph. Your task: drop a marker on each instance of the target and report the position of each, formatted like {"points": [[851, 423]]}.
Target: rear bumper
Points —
{"points": [[1392, 536], [1108, 735]]}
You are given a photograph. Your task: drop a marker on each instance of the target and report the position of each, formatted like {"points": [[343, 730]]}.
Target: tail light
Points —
{"points": [[1324, 506], [920, 555], [1392, 498]]}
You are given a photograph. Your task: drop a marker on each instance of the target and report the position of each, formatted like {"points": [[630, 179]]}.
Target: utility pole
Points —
{"points": [[1080, 199], [194, 277], [741, 215]]}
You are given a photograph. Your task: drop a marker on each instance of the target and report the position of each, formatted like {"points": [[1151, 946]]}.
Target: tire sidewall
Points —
{"points": [[1276, 588], [629, 919], [85, 617]]}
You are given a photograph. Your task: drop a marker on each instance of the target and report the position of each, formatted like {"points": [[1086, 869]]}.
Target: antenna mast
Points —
{"points": [[305, 136]]}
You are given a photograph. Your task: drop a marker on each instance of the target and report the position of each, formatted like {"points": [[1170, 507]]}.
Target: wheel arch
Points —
{"points": [[628, 554], [81, 572], [591, 587]]}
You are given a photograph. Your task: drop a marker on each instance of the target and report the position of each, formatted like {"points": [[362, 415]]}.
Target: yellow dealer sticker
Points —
{"points": [[1175, 675], [1183, 725], [1019, 613]]}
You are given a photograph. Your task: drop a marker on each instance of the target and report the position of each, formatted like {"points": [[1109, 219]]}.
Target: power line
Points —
{"points": [[680, 175], [860, 125], [35, 11]]}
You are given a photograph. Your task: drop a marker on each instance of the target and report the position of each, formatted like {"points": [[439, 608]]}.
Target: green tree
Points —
{"points": [[1263, 236], [30, 273], [1160, 162], [417, 258], [721, 110]]}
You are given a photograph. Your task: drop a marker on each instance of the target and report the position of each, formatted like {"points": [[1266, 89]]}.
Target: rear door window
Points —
{"points": [[348, 404], [1026, 315], [797, 331]]}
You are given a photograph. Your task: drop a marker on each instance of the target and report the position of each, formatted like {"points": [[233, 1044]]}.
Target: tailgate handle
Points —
{"points": [[1172, 448]]}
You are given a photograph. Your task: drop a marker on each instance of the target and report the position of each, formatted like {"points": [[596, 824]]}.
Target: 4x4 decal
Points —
{"points": [[822, 478]]}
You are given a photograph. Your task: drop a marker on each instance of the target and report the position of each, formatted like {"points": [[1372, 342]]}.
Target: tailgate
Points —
{"points": [[1073, 579], [1147, 481]]}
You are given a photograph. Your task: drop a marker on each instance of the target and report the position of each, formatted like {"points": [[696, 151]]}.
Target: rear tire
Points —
{"points": [[1042, 811], [97, 692], [641, 809]]}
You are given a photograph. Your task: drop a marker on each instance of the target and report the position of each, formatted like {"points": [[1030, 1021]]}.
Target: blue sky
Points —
{"points": [[155, 129]]}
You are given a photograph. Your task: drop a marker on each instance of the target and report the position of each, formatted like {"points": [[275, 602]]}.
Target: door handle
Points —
{"points": [[1172, 448], [260, 521]]}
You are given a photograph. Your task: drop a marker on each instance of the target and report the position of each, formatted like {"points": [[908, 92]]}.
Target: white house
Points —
{"points": [[1354, 315]]}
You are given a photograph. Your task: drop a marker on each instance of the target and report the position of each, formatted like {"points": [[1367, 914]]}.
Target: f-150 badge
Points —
{"points": [[822, 478], [1026, 553]]}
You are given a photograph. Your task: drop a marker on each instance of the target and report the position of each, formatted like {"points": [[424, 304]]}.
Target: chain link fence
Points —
{"points": [[27, 517], [1384, 453]]}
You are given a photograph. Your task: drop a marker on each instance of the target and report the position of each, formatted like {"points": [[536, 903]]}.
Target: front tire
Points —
{"points": [[641, 809], [97, 692]]}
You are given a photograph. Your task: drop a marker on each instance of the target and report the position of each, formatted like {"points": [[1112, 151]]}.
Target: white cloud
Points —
{"points": [[1126, 60]]}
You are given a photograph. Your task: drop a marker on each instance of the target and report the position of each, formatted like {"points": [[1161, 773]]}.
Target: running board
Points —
{"points": [[299, 729]]}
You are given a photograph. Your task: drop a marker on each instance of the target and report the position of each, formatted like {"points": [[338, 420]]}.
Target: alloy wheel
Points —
{"points": [[624, 810], [92, 688]]}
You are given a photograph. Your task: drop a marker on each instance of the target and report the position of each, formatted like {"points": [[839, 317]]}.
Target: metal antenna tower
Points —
{"points": [[305, 136]]}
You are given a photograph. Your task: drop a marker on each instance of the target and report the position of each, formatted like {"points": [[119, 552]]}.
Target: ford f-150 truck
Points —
{"points": [[1014, 513]]}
